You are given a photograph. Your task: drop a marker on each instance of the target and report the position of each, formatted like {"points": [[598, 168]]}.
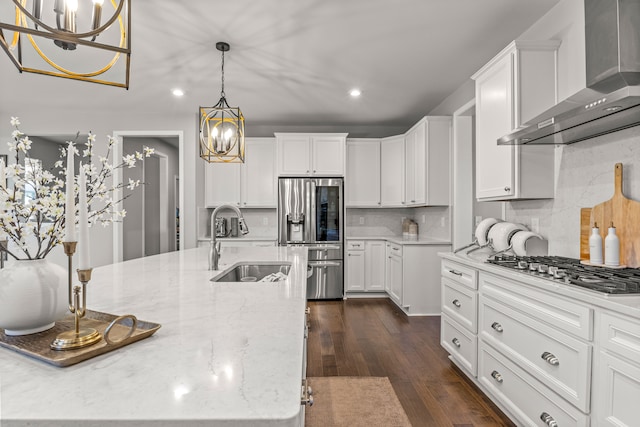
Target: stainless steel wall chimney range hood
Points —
{"points": [[611, 100]]}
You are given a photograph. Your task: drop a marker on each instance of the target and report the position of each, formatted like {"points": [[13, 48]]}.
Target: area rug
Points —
{"points": [[353, 402]]}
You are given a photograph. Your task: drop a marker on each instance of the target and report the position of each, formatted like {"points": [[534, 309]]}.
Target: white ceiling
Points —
{"points": [[292, 62]]}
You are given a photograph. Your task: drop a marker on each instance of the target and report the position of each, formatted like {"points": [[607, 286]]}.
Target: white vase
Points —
{"points": [[33, 295]]}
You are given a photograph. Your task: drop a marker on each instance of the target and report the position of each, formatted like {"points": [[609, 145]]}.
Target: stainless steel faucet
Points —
{"points": [[214, 250]]}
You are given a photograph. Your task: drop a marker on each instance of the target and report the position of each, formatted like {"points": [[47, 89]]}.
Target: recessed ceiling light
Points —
{"points": [[177, 92], [355, 93]]}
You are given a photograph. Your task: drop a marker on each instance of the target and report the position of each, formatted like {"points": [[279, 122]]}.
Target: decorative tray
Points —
{"points": [[38, 345]]}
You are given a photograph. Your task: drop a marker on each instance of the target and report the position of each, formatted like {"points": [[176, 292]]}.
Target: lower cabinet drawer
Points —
{"points": [[620, 335], [460, 343], [460, 303], [561, 362], [462, 274], [532, 403]]}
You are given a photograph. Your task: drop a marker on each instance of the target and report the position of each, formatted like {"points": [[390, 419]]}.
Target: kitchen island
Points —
{"points": [[227, 354]]}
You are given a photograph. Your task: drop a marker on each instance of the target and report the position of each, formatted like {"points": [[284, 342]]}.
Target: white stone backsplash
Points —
{"points": [[584, 177], [388, 222]]}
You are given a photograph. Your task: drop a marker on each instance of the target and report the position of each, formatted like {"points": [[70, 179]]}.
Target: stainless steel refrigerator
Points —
{"points": [[310, 213]]}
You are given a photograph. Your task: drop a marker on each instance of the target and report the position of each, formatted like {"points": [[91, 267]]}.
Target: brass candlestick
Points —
{"points": [[79, 337]]}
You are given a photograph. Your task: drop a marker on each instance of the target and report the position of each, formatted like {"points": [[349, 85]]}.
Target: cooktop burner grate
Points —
{"points": [[570, 271]]}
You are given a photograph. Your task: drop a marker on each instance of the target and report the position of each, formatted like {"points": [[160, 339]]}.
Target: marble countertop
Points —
{"points": [[399, 240], [227, 353], [624, 304]]}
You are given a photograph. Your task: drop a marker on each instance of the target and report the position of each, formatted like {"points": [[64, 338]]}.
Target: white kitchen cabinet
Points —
{"points": [[530, 402], [310, 154], [617, 371], [365, 266], [544, 355], [427, 162], [355, 266], [412, 277], [249, 185], [393, 283], [458, 329], [374, 273], [258, 173], [392, 171], [362, 181], [222, 184], [515, 86], [532, 328]]}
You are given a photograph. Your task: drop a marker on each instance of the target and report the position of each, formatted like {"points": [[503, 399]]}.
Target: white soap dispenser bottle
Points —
{"points": [[595, 245], [612, 248]]}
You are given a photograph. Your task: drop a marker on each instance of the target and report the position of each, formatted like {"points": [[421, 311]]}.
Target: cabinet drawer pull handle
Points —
{"points": [[497, 326], [456, 303], [550, 358], [457, 273], [456, 342], [496, 376], [548, 420], [507, 189]]}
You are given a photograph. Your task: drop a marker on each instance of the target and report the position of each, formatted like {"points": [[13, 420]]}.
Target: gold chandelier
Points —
{"points": [[222, 127], [73, 25]]}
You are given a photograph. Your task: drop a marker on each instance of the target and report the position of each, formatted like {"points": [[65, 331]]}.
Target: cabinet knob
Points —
{"points": [[456, 303], [413, 201], [548, 420], [496, 376], [314, 171], [379, 203], [507, 189], [550, 358], [497, 326], [456, 342], [307, 170]]}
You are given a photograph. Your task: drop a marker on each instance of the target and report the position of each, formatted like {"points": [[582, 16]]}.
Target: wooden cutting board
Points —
{"points": [[624, 213]]}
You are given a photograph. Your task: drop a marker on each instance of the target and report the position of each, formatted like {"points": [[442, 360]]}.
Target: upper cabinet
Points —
{"points": [[301, 154], [427, 162], [404, 170], [392, 171], [362, 180], [251, 184], [514, 87]]}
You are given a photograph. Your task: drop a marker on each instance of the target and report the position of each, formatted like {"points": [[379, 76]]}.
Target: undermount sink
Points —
{"points": [[254, 272]]}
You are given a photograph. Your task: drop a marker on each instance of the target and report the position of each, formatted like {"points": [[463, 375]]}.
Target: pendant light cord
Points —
{"points": [[222, 95]]}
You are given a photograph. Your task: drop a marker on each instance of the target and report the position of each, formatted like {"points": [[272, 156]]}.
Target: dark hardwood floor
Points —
{"points": [[372, 337]]}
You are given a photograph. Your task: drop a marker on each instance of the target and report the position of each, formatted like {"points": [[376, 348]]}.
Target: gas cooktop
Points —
{"points": [[624, 281]]}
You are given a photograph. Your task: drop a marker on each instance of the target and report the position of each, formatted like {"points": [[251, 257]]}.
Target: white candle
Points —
{"points": [[84, 263], [3, 184], [70, 203], [3, 177]]}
